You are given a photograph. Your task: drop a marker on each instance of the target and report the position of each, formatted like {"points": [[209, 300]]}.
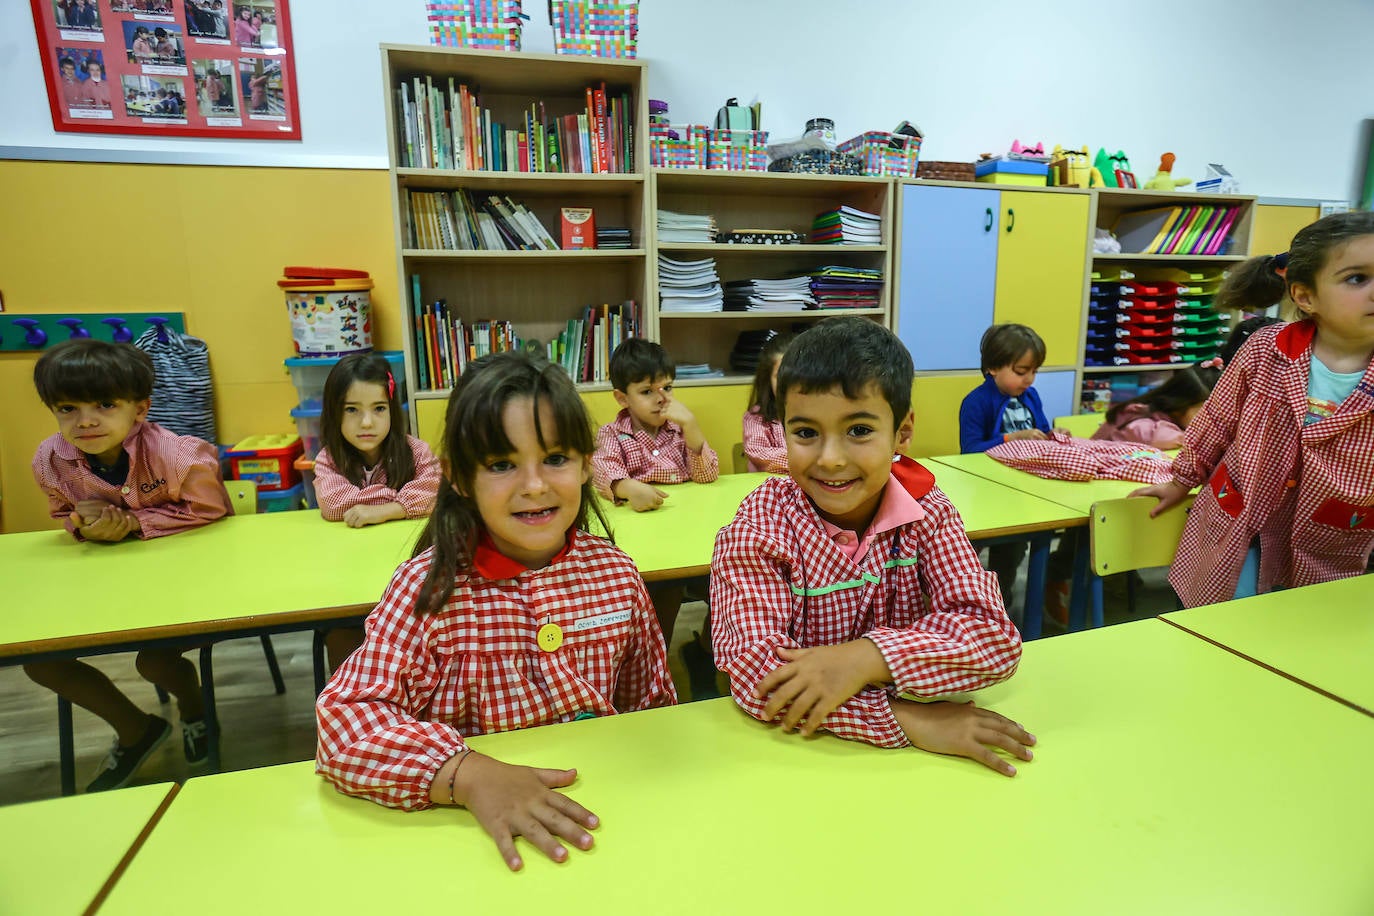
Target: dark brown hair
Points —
{"points": [[637, 359], [1240, 334], [1186, 388], [848, 353], [761, 395], [474, 434], [86, 369], [1003, 344], [1256, 284], [396, 456]]}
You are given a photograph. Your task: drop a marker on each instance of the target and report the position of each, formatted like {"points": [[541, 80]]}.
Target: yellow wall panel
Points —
{"points": [[1275, 225], [935, 399]]}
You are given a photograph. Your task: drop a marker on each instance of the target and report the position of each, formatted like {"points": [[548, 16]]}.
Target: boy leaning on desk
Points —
{"points": [[849, 585], [109, 474]]}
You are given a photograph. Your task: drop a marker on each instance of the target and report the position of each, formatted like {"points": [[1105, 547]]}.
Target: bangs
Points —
{"points": [[92, 370]]}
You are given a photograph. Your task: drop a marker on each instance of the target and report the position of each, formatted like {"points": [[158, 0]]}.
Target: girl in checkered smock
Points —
{"points": [[1284, 442], [509, 615]]}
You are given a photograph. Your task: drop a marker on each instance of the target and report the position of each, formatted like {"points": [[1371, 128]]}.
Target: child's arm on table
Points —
{"points": [[703, 465], [611, 477], [200, 500]]}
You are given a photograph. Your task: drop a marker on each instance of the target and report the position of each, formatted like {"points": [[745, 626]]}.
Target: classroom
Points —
{"points": [[1189, 755]]}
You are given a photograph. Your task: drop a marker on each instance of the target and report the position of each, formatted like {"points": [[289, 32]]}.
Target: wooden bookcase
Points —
{"points": [[760, 200], [536, 290]]}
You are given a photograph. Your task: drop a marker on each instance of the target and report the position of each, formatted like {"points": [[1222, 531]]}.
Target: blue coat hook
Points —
{"points": [[34, 336], [122, 334], [75, 326], [159, 323]]}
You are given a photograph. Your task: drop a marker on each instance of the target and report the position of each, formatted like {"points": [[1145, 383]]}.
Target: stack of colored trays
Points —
{"points": [[1144, 323]]}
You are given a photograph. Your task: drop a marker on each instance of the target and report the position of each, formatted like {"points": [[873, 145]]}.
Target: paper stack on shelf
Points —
{"points": [[689, 286], [792, 294], [698, 370], [839, 287], [613, 237], [847, 226], [685, 227]]}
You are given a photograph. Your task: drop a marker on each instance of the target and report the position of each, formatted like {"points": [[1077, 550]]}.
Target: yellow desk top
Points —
{"points": [[1171, 777], [293, 566], [989, 508], [1078, 495], [59, 852], [1322, 634]]}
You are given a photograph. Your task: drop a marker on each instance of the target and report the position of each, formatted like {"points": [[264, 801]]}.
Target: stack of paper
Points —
{"points": [[685, 227], [792, 294], [689, 286], [698, 370], [847, 287], [847, 226]]}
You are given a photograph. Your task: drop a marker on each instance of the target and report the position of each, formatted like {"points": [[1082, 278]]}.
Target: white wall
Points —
{"points": [[1275, 90]]}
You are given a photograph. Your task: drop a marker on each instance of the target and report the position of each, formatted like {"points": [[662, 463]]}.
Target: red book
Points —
{"points": [[603, 148], [579, 228]]}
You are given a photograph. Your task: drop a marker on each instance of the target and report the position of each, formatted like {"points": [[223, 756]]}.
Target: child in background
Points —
{"points": [[109, 474], [1285, 440], [764, 442], [1241, 333], [368, 471], [1007, 406], [1159, 416], [510, 615], [851, 581]]}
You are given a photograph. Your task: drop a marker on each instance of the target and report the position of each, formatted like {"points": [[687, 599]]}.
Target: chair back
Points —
{"points": [[1124, 537], [738, 460], [1080, 425], [243, 496]]}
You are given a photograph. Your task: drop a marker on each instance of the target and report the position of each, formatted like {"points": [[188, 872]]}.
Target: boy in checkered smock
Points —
{"points": [[850, 584], [509, 615]]}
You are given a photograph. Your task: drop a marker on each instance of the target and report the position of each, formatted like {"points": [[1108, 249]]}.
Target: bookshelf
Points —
{"points": [[1109, 204], [537, 291], [760, 200]]}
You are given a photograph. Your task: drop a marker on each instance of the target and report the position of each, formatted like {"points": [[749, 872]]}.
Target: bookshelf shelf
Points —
{"points": [[629, 255], [1172, 258], [764, 316], [519, 182], [721, 248]]}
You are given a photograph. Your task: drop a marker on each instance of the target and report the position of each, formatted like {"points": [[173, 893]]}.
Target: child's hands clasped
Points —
{"points": [[110, 524], [1169, 494], [510, 801], [963, 730], [362, 516], [813, 683], [643, 497]]}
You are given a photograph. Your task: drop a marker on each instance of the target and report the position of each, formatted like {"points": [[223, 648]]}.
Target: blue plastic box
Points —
{"points": [[286, 500]]}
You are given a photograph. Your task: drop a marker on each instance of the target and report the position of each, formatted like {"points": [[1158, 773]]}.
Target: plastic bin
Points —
{"points": [[288, 500], [308, 426], [308, 374], [267, 461]]}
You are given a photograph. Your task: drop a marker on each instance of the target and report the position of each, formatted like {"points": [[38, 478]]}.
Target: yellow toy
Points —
{"points": [[1070, 169], [1164, 180]]}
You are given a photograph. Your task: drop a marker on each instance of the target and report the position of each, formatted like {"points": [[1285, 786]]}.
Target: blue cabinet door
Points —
{"points": [[948, 273], [1056, 393]]}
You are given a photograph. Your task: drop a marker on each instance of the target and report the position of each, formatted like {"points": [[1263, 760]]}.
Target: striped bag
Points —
{"points": [[183, 399]]}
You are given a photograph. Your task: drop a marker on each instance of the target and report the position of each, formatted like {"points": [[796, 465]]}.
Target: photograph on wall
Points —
{"points": [[199, 68], [81, 79], [215, 97]]}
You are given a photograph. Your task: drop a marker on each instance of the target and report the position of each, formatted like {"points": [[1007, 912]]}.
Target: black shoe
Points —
{"points": [[195, 741], [123, 762], [701, 669]]}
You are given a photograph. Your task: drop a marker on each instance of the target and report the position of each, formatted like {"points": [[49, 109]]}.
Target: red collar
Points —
{"points": [[914, 478], [491, 563], [1295, 338]]}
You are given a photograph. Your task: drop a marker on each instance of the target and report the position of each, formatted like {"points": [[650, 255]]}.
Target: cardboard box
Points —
{"points": [[579, 228]]}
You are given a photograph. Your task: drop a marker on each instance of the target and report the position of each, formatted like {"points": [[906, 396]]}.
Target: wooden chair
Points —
{"points": [[1080, 425], [1124, 538], [738, 460]]}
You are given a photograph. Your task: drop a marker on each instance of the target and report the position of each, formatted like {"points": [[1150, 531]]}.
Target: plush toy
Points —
{"points": [[1027, 152], [1070, 169], [1164, 180], [1115, 169]]}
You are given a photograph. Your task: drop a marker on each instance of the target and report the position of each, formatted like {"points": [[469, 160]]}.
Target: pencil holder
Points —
{"points": [[595, 28], [488, 25]]}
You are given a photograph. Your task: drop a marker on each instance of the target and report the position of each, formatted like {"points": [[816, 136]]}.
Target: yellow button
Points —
{"points": [[550, 637], [124, 490]]}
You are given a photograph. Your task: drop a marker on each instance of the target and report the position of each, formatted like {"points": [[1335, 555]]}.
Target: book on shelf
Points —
{"points": [[584, 347], [1185, 229], [462, 220], [440, 127]]}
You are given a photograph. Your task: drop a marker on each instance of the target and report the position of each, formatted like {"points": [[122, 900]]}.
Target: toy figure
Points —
{"points": [[1070, 169], [1163, 180]]}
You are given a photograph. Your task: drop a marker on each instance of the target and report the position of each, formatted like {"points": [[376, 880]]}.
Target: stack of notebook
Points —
{"points": [[837, 287], [1195, 229], [689, 286], [613, 237], [685, 227], [846, 226], [792, 294]]}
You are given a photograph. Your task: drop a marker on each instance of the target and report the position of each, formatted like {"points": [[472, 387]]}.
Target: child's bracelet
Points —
{"points": [[454, 775]]}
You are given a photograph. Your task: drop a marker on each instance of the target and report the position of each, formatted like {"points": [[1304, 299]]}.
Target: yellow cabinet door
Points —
{"points": [[1041, 262]]}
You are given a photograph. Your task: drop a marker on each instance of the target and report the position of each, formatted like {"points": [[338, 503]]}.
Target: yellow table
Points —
{"points": [[1078, 495], [1320, 636], [60, 853], [1171, 777]]}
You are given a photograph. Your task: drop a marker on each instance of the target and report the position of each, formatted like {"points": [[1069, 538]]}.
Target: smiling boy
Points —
{"points": [[851, 581]]}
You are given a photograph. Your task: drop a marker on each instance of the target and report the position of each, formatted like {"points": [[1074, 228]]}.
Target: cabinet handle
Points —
{"points": [[1011, 219], [987, 226]]}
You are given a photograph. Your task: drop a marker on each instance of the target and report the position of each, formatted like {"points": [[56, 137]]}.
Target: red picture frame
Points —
{"points": [[170, 68]]}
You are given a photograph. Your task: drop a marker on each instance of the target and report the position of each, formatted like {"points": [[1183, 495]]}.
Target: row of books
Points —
{"points": [[462, 221], [585, 346], [444, 345], [447, 128], [1199, 229], [846, 226]]}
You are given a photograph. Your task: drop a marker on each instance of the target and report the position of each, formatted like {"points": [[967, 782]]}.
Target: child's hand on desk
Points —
{"points": [[1024, 434], [1169, 494], [112, 524], [510, 801], [812, 683], [89, 510], [642, 497], [963, 730], [362, 516]]}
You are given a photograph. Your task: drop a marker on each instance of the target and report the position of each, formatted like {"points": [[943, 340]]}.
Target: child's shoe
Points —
{"points": [[701, 669], [123, 762], [195, 741], [1057, 601]]}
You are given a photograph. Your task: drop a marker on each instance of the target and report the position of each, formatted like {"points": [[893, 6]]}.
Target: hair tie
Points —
{"points": [[1279, 264], [390, 385], [1215, 362]]}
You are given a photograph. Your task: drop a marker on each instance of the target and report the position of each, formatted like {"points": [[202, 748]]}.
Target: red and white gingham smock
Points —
{"points": [[765, 443], [336, 495], [1307, 492], [1063, 457], [173, 483], [624, 452], [919, 593], [400, 706]]}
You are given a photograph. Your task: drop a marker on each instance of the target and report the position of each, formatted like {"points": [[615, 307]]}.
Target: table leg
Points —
{"points": [[1078, 593], [207, 696], [1034, 611], [66, 751]]}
